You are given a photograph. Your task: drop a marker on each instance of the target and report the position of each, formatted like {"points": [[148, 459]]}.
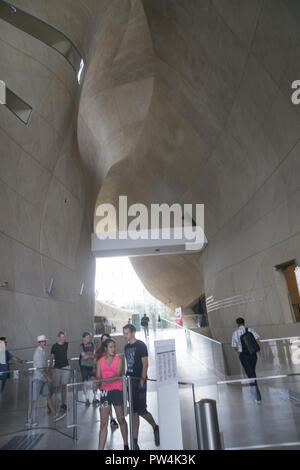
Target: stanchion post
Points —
{"points": [[129, 381], [125, 400], [196, 418], [208, 425], [75, 413], [73, 395]]}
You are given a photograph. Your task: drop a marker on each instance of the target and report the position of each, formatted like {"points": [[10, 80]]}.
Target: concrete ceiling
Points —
{"points": [[183, 101], [176, 107]]}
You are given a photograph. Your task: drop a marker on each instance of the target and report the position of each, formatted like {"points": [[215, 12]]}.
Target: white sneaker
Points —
{"points": [[30, 423], [258, 402], [59, 416]]}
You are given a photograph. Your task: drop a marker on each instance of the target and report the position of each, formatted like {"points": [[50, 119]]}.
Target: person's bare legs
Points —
{"points": [[63, 394], [30, 406], [122, 422], [32, 403], [149, 418], [53, 392], [50, 405], [52, 385], [136, 425], [104, 416]]}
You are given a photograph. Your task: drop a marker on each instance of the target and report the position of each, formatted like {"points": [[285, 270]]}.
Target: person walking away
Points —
{"points": [[110, 366], [246, 342], [98, 353], [41, 381], [144, 323], [59, 367], [4, 368], [86, 362], [136, 355]]}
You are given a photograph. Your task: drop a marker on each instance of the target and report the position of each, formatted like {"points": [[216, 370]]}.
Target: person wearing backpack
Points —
{"points": [[246, 342], [86, 363]]}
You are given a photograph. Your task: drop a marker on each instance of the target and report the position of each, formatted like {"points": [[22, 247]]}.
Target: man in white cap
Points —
{"points": [[41, 381]]}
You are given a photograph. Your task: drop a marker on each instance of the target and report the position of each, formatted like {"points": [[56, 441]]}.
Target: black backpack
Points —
{"points": [[249, 343]]}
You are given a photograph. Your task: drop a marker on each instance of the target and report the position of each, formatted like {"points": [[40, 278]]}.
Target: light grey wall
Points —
{"points": [[46, 208], [227, 135], [217, 127], [256, 162]]}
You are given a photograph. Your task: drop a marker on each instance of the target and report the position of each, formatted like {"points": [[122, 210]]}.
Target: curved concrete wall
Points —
{"points": [[232, 141], [221, 130], [46, 208], [117, 89], [183, 101]]}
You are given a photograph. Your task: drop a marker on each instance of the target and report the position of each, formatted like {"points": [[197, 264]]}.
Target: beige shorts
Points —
{"points": [[61, 376]]}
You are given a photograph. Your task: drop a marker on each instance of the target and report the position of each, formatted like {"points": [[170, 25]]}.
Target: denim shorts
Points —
{"points": [[39, 388]]}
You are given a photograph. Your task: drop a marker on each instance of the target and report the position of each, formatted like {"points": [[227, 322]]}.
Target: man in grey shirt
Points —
{"points": [[40, 382]]}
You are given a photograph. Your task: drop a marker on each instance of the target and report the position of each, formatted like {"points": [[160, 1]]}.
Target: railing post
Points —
{"points": [[75, 415], [73, 404], [125, 394], [196, 418], [208, 425], [129, 380]]}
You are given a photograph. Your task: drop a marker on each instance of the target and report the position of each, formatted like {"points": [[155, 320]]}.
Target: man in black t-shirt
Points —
{"points": [[59, 365], [136, 355]]}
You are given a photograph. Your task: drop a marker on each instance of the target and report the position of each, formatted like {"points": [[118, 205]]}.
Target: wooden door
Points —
{"points": [[291, 280]]}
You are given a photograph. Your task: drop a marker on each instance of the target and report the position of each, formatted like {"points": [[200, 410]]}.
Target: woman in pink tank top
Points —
{"points": [[110, 366]]}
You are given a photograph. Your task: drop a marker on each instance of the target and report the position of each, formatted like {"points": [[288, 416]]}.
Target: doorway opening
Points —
{"points": [[121, 298], [292, 276]]}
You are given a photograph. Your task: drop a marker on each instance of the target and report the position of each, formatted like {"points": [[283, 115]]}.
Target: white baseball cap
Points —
{"points": [[41, 338]]}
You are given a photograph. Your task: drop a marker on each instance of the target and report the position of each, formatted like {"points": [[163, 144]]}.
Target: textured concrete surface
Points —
{"points": [[183, 101], [220, 130], [46, 207]]}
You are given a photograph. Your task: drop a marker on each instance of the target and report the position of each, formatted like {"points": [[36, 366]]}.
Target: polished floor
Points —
{"points": [[274, 424]]}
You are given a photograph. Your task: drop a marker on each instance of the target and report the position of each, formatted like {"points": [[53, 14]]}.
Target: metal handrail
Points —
{"points": [[249, 380], [191, 331], [272, 339], [48, 345]]}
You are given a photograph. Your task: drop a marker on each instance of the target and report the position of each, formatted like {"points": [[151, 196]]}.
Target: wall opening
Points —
{"points": [[121, 298], [290, 269]]}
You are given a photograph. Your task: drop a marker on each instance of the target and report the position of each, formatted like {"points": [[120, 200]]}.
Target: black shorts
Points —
{"points": [[139, 397], [111, 397]]}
